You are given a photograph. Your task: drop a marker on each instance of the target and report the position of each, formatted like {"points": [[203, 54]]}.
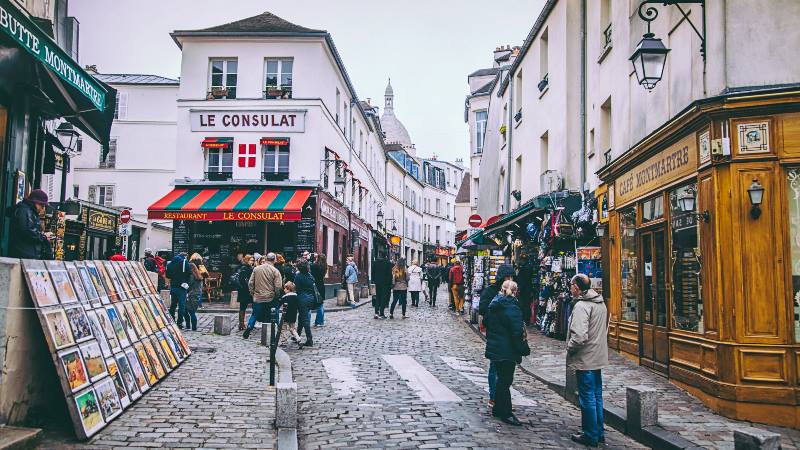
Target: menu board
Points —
{"points": [[305, 235], [108, 332], [180, 236]]}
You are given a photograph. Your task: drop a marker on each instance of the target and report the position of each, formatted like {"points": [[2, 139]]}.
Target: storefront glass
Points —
{"points": [[687, 299], [653, 209], [627, 241], [793, 185]]}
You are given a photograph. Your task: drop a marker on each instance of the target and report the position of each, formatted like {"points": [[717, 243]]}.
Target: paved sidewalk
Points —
{"points": [[218, 398], [678, 411]]}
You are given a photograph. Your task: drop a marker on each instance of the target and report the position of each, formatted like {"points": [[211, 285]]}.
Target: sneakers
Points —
{"points": [[491, 403], [404, 316], [581, 438], [376, 316], [391, 316], [308, 344], [512, 420], [246, 333]]}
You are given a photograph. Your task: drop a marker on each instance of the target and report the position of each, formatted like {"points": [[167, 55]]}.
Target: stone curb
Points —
{"points": [[653, 436], [348, 308], [285, 403], [19, 438]]}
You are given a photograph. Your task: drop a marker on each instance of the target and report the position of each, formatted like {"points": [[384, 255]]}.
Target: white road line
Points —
{"points": [[343, 376], [424, 383], [478, 376]]}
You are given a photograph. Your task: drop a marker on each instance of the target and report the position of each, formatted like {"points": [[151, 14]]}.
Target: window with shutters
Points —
{"points": [[111, 157], [121, 106], [102, 194]]}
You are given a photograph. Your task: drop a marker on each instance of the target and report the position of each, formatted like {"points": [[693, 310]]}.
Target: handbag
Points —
{"points": [[317, 297]]}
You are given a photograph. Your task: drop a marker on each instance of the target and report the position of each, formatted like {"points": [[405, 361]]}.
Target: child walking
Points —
{"points": [[289, 324]]}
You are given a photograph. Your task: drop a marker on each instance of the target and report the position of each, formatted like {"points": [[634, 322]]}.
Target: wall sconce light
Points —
{"points": [[756, 194], [600, 230], [686, 204]]}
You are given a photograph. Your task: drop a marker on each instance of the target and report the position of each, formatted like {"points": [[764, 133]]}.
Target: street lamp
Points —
{"points": [[380, 218], [756, 194], [68, 138], [686, 203], [600, 230]]}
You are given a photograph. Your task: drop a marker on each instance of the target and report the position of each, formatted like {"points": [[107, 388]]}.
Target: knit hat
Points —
{"points": [[38, 196]]}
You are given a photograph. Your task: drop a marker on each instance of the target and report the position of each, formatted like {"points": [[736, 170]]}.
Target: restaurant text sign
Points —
{"points": [[672, 163], [269, 216], [282, 121], [333, 213]]}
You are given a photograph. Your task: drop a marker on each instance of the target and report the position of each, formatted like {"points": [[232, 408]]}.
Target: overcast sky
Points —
{"points": [[427, 47]]}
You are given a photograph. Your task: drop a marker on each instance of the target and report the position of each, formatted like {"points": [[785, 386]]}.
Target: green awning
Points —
{"points": [[512, 217]]}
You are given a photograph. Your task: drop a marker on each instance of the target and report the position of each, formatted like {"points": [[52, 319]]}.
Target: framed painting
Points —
{"points": [[171, 358], [61, 282], [94, 275], [74, 369], [158, 367], [147, 365], [97, 331], [39, 283], [136, 367], [126, 373], [79, 323], [119, 385], [143, 319], [108, 329], [113, 295], [77, 283], [88, 286], [88, 409], [93, 359], [108, 399], [116, 323], [119, 283], [58, 326]]}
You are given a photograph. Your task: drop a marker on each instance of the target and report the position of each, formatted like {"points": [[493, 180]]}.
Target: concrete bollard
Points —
{"points": [[341, 297], [641, 404], [286, 405], [364, 291], [165, 296], [372, 289], [755, 439], [222, 325], [234, 299]]}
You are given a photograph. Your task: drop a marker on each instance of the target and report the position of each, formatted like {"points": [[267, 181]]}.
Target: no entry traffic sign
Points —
{"points": [[125, 216], [475, 220]]}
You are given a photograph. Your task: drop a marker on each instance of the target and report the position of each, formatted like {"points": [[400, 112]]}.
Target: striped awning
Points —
{"points": [[230, 204]]}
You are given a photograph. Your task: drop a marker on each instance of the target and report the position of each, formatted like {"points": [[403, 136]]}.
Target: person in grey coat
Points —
{"points": [[587, 354]]}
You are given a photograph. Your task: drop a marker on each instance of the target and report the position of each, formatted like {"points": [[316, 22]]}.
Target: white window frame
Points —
{"points": [[99, 194], [480, 130], [220, 168], [275, 169], [280, 73], [225, 73]]}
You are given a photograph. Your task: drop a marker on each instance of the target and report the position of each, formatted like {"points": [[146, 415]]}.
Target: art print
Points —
{"points": [[753, 137], [94, 275], [108, 329], [58, 325], [173, 345], [93, 359], [133, 284], [157, 314], [74, 369], [158, 367], [89, 412], [145, 306], [130, 312], [79, 323], [143, 274], [136, 367], [119, 386], [143, 320], [126, 373], [118, 281], [40, 284], [97, 331], [116, 323], [127, 324], [89, 287], [108, 399], [147, 365], [165, 362], [171, 358], [113, 295], [61, 282], [77, 283], [181, 340]]}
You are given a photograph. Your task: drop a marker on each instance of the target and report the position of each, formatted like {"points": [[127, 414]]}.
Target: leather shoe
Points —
{"points": [[581, 438], [511, 420]]}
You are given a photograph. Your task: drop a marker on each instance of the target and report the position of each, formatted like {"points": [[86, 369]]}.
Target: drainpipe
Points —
{"points": [[510, 139], [583, 95], [403, 238]]}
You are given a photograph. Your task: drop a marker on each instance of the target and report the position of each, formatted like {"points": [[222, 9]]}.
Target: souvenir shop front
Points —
{"points": [[703, 238]]}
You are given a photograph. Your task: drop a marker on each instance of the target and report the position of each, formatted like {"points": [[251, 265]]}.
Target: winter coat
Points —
{"points": [[433, 274], [27, 239], [288, 273], [456, 275], [382, 272], [290, 300], [150, 264], [265, 282], [399, 283], [587, 337], [318, 272], [490, 292], [178, 271], [351, 273], [117, 257], [504, 334], [304, 284], [415, 278], [245, 271]]}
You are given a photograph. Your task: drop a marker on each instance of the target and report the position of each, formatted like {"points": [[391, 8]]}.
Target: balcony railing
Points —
{"points": [[518, 116], [272, 176], [219, 176], [273, 92], [607, 37], [543, 84]]}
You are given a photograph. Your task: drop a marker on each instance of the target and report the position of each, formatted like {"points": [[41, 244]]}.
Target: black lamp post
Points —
{"points": [[69, 138]]}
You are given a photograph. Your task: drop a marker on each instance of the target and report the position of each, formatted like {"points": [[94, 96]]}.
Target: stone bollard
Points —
{"points": [[571, 386], [286, 405], [641, 408], [341, 297], [364, 291], [373, 291], [234, 299], [165, 296], [755, 439], [222, 325]]}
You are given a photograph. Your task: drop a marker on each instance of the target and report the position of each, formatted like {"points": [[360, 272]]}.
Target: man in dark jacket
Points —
{"points": [[27, 239], [382, 277], [178, 271], [504, 273], [433, 274], [505, 347]]}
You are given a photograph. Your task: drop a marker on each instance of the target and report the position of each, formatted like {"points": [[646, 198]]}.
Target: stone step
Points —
{"points": [[18, 438]]}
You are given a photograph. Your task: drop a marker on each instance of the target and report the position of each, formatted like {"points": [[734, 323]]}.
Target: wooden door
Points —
{"points": [[653, 342]]}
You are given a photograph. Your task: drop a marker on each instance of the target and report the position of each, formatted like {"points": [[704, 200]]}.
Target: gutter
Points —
{"points": [[583, 96], [510, 130]]}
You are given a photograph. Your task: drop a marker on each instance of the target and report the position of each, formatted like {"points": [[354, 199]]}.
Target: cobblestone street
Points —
{"points": [[417, 383]]}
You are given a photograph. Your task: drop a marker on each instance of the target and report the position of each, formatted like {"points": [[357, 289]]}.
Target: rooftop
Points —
{"points": [[463, 191], [135, 78], [265, 22], [484, 72]]}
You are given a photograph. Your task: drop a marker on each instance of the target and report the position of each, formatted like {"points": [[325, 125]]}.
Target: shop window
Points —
{"points": [[222, 79], [336, 247], [793, 185], [278, 81], [653, 209], [628, 260], [219, 163], [687, 299], [276, 159]]}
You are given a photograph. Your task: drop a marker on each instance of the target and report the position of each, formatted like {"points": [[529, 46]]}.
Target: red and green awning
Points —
{"points": [[230, 204]]}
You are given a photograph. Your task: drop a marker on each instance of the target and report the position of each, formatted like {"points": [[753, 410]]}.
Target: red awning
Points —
{"points": [[231, 204]]}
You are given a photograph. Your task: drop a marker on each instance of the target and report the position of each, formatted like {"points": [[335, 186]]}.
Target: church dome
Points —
{"points": [[396, 132]]}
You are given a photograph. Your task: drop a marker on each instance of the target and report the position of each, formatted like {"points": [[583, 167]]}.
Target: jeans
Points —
{"points": [[177, 297], [257, 311], [382, 293], [502, 393], [319, 319], [398, 296], [304, 318], [414, 298], [590, 399], [432, 288], [190, 316], [492, 379]]}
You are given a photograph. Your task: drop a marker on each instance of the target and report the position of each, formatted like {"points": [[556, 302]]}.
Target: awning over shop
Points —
{"points": [[69, 91], [230, 204], [510, 218], [222, 142]]}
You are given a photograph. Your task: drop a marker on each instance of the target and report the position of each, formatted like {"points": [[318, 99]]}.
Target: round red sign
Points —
{"points": [[475, 220], [125, 216]]}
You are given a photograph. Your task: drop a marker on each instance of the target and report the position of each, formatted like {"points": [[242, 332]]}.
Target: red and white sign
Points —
{"points": [[125, 216], [475, 220], [293, 121], [247, 155]]}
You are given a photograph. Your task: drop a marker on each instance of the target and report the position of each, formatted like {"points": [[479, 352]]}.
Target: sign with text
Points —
{"points": [[334, 213], [670, 164], [274, 121], [102, 221], [269, 216]]}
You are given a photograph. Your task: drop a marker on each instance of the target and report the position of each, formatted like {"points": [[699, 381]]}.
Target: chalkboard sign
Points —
{"points": [[305, 235], [180, 236]]}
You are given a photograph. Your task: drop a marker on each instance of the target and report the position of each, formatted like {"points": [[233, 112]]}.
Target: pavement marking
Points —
{"points": [[424, 383], [479, 376], [343, 376]]}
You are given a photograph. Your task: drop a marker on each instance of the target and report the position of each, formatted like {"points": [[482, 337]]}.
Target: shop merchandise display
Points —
{"points": [[108, 331]]}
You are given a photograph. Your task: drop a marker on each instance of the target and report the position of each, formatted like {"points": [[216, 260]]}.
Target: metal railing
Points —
{"points": [[273, 176], [607, 37], [544, 83], [218, 176]]}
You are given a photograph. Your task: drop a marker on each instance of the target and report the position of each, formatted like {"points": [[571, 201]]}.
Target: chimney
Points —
{"points": [[501, 55], [92, 68]]}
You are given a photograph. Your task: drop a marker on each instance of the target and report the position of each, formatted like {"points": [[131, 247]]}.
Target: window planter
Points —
{"points": [[543, 84]]}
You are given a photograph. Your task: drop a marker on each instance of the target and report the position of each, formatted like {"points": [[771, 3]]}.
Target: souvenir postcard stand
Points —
{"points": [[108, 332]]}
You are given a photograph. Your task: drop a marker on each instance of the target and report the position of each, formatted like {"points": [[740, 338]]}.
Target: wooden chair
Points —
{"points": [[212, 286]]}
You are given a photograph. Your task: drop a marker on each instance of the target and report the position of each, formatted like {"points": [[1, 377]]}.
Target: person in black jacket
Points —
{"points": [[27, 239], [290, 303], [382, 277], [505, 346], [504, 273], [242, 278], [178, 271], [319, 267], [433, 275], [304, 282]]}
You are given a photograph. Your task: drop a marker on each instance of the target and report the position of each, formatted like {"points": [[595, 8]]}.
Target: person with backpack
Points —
{"points": [[179, 272], [239, 281], [433, 275], [456, 280], [266, 285]]}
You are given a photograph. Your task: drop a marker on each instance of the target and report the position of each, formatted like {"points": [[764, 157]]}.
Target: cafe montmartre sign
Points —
{"points": [[249, 120], [670, 164], [28, 35]]}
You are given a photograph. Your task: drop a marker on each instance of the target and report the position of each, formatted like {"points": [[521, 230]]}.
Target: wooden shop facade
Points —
{"points": [[701, 224]]}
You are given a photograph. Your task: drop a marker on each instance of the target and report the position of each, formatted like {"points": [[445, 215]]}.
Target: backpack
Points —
{"points": [[176, 271]]}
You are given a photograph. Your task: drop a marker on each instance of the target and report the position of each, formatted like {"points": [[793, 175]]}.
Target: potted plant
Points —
{"points": [[503, 129], [219, 92]]}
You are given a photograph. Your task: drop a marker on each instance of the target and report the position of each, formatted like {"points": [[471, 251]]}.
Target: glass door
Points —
{"points": [[653, 342]]}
